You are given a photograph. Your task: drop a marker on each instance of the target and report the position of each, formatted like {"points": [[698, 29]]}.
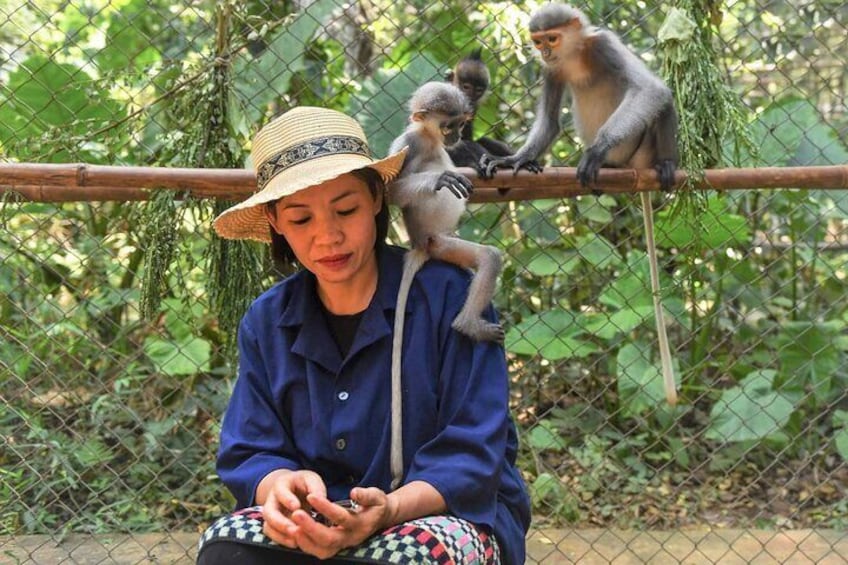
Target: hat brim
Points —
{"points": [[247, 219]]}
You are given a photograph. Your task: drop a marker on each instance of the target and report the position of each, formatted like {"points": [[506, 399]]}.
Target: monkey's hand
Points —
{"points": [[488, 165], [665, 171], [589, 165], [533, 166], [458, 184]]}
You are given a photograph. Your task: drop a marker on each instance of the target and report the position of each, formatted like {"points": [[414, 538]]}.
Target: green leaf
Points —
{"points": [[128, 33], [751, 411], [554, 335], [631, 288], [91, 453], [809, 356], [597, 251], [546, 487], [257, 81], [840, 439], [639, 381], [551, 261], [545, 436], [596, 209], [41, 95], [716, 227], [780, 129], [607, 326], [171, 358]]}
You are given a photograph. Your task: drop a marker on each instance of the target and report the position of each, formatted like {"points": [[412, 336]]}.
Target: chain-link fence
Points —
{"points": [[115, 364]]}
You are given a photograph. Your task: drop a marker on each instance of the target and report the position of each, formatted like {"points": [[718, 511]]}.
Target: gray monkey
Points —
{"points": [[432, 197], [623, 113]]}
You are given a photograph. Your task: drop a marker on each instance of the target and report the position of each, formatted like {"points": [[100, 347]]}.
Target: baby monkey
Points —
{"points": [[432, 197], [472, 77]]}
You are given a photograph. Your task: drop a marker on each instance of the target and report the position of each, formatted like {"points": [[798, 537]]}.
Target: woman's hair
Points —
{"points": [[281, 251]]}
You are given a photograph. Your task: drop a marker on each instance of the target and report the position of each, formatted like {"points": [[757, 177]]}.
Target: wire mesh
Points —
{"points": [[109, 419]]}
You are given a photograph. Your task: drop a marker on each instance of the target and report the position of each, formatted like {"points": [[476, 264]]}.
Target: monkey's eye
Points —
{"points": [[553, 40], [537, 43]]}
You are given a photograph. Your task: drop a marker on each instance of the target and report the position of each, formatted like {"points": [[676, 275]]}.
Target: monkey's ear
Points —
{"points": [[418, 116], [449, 76]]}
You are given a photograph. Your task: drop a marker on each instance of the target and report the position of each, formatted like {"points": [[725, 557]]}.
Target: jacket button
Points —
{"points": [[343, 395], [341, 444]]}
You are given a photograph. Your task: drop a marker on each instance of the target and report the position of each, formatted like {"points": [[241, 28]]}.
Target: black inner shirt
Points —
{"points": [[343, 328]]}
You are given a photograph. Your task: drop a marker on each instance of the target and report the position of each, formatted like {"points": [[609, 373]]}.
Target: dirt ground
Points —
{"points": [[545, 547]]}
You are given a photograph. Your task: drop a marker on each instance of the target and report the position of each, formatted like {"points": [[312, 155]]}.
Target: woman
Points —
{"points": [[308, 422]]}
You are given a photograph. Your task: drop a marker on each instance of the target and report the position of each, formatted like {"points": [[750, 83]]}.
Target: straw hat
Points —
{"points": [[299, 149]]}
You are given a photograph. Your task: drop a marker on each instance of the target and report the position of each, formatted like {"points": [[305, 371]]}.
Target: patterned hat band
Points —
{"points": [[312, 149]]}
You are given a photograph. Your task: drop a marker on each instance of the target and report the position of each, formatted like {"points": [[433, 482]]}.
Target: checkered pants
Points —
{"points": [[434, 540]]}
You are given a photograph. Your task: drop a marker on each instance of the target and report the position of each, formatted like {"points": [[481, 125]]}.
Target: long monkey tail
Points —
{"points": [[412, 263], [662, 336]]}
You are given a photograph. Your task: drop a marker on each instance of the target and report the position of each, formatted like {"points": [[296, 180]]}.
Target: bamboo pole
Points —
{"points": [[91, 183]]}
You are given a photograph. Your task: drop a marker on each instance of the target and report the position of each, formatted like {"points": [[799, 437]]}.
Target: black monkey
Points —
{"points": [[472, 77], [623, 113]]}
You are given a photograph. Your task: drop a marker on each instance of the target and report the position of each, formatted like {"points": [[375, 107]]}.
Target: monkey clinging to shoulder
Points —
{"points": [[432, 197]]}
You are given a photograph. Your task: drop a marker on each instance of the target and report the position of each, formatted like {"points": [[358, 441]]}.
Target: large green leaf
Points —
{"points": [[751, 411], [42, 95], [715, 228], [174, 358], [128, 33], [598, 251], [810, 356], [779, 130], [545, 436], [548, 261], [639, 380], [555, 335], [259, 80], [631, 288], [607, 326], [822, 145]]}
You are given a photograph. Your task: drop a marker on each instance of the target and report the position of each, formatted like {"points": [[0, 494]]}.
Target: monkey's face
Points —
{"points": [[473, 90], [556, 42], [472, 78], [451, 127]]}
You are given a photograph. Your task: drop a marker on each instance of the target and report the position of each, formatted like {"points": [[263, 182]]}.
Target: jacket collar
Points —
{"points": [[303, 310]]}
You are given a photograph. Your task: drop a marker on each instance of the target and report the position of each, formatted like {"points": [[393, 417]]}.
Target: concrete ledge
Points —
{"points": [[545, 547]]}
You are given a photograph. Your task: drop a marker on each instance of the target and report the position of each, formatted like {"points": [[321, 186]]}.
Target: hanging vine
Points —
{"points": [[206, 140], [709, 111]]}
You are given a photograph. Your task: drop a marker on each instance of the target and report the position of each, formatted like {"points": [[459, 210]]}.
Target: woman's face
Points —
{"points": [[331, 229]]}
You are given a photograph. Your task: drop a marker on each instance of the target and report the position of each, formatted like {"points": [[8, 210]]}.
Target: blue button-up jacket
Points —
{"points": [[298, 404]]}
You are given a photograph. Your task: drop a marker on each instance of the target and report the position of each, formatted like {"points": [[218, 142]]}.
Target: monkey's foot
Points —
{"points": [[479, 329]]}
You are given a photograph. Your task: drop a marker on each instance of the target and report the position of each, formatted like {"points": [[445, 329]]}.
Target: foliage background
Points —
{"points": [[115, 322]]}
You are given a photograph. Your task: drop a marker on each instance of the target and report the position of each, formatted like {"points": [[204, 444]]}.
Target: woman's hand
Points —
{"points": [[350, 526], [283, 495]]}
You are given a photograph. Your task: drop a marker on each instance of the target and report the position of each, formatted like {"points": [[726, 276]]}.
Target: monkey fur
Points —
{"points": [[432, 197], [623, 113], [472, 77]]}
